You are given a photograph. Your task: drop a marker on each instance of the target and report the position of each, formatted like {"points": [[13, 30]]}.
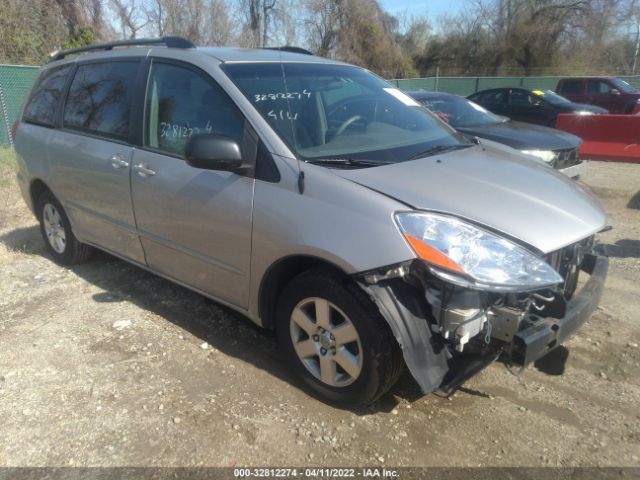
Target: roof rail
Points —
{"points": [[288, 48], [169, 41]]}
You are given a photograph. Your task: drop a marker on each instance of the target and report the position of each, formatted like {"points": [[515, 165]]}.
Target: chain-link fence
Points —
{"points": [[15, 81]]}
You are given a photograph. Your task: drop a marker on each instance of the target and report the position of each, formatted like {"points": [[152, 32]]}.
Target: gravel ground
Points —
{"points": [[104, 364]]}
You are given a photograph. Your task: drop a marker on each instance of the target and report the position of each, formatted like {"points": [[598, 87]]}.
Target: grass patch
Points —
{"points": [[8, 159], [8, 166]]}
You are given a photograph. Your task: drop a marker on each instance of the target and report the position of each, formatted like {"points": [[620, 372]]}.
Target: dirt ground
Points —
{"points": [[105, 364]]}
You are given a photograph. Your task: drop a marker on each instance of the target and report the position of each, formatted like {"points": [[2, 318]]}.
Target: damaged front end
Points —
{"points": [[451, 327]]}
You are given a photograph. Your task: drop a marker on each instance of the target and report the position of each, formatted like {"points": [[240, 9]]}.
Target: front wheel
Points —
{"points": [[336, 340], [56, 231]]}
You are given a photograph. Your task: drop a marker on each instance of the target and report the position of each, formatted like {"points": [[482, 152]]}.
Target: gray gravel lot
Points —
{"points": [[105, 364]]}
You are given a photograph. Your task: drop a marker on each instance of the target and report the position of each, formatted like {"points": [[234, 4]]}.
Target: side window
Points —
{"points": [[571, 87], [45, 97], [496, 97], [522, 98], [598, 87], [182, 102], [99, 100]]}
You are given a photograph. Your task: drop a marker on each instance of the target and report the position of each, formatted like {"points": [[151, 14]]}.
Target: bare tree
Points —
{"points": [[323, 25], [257, 17], [130, 16]]}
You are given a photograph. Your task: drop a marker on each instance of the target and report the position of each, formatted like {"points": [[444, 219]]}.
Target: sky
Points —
{"points": [[432, 8]]}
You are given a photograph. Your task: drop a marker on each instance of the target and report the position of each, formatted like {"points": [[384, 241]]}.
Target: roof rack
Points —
{"points": [[169, 41], [291, 49]]}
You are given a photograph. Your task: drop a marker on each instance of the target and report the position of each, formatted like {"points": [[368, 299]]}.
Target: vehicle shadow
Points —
{"points": [[625, 248], [222, 328], [634, 202]]}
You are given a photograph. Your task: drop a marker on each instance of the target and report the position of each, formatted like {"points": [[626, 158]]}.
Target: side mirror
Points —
{"points": [[615, 91], [211, 151]]}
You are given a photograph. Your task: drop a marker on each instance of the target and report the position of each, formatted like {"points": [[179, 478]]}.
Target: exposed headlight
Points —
{"points": [[470, 256], [584, 112], [546, 155]]}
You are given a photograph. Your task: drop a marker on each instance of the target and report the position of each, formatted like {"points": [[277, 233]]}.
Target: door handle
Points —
{"points": [[143, 171], [118, 161]]}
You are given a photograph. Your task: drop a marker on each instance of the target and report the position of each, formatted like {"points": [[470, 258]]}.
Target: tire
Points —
{"points": [[350, 372], [62, 244]]}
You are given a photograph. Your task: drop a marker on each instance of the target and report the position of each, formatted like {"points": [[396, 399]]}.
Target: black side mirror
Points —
{"points": [[211, 151]]}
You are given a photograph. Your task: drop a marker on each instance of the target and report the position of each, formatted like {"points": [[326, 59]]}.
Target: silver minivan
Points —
{"points": [[316, 199]]}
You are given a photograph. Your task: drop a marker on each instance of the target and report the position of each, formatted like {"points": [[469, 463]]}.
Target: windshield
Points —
{"points": [[552, 97], [340, 112], [623, 86], [460, 112]]}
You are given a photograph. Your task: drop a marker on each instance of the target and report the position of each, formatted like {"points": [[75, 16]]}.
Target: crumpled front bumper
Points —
{"points": [[544, 335]]}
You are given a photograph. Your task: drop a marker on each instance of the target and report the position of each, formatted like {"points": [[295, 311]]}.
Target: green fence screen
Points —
{"points": [[15, 81]]}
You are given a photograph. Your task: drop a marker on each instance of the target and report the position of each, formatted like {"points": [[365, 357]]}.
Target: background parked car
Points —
{"points": [[530, 105], [559, 149], [611, 93]]}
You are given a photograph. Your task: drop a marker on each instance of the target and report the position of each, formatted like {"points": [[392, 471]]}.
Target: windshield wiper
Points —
{"points": [[350, 162], [439, 149]]}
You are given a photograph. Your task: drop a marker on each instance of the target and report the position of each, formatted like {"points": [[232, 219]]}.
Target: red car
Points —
{"points": [[611, 93]]}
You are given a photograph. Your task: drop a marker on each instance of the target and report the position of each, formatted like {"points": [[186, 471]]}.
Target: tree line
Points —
{"points": [[486, 38]]}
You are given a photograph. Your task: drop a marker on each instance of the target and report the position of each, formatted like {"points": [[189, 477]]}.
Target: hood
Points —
{"points": [[504, 191], [525, 136]]}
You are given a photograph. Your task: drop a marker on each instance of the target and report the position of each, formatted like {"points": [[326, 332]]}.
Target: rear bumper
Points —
{"points": [[539, 339]]}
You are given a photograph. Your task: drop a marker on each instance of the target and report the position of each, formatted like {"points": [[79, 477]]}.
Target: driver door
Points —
{"points": [[194, 224], [524, 106]]}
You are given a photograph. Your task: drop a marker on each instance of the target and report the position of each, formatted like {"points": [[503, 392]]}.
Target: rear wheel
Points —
{"points": [[336, 340], [55, 227]]}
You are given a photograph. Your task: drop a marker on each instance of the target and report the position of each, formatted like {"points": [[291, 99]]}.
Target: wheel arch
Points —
{"points": [[278, 275], [36, 188]]}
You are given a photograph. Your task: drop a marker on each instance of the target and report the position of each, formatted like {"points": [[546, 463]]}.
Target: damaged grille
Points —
{"points": [[566, 158], [567, 262]]}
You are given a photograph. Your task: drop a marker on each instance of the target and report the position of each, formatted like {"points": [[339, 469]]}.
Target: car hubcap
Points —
{"points": [[326, 342], [53, 228]]}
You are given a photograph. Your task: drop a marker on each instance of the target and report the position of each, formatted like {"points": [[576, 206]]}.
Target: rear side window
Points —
{"points": [[45, 97], [99, 100], [492, 96], [571, 87]]}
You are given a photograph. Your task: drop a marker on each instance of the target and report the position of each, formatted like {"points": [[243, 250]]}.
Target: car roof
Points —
{"points": [[586, 78], [526, 89], [233, 54], [222, 54]]}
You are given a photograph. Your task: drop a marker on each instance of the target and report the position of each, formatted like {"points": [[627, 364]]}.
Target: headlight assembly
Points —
{"points": [[464, 254], [545, 155]]}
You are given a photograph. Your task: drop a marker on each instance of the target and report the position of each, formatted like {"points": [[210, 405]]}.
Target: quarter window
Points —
{"points": [[45, 97], [182, 102], [99, 100]]}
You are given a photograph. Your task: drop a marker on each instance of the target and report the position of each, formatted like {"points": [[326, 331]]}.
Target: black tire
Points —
{"points": [[74, 251], [382, 362]]}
